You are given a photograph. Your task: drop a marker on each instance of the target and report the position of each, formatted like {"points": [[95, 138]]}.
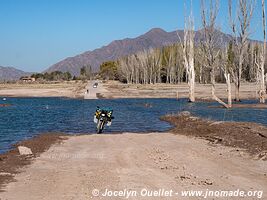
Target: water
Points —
{"points": [[28, 117]]}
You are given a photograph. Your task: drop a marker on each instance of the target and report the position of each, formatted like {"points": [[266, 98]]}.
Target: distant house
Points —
{"points": [[27, 79]]}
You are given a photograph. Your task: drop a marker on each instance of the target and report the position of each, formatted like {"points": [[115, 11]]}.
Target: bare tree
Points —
{"points": [[156, 58], [211, 40], [169, 56], [188, 53], [262, 91], [226, 65], [241, 31], [143, 60], [179, 68]]}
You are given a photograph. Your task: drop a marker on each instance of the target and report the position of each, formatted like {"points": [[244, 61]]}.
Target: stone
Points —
{"points": [[5, 174], [216, 123], [185, 113], [24, 150]]}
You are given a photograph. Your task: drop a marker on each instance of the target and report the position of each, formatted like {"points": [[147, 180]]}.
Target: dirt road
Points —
{"points": [[93, 92], [132, 162]]}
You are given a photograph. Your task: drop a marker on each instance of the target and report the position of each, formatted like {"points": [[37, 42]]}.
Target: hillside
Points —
{"points": [[152, 39], [11, 73]]}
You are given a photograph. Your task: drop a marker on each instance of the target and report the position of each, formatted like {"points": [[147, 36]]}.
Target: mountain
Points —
{"points": [[152, 39], [11, 73]]}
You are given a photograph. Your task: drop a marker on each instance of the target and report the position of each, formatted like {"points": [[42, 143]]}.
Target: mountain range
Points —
{"points": [[11, 73], [154, 38]]}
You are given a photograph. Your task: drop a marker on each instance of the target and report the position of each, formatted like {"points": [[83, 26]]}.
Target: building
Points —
{"points": [[27, 79]]}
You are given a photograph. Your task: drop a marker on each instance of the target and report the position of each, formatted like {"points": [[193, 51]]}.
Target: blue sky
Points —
{"points": [[35, 34]]}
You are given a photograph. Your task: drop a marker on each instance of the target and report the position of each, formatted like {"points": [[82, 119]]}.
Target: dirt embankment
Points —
{"points": [[178, 160], [84, 167], [71, 89], [251, 137], [115, 89], [12, 161]]}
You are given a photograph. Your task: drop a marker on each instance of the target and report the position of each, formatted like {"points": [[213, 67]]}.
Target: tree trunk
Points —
{"points": [[229, 92], [237, 87], [228, 82], [262, 92], [212, 77], [192, 85]]}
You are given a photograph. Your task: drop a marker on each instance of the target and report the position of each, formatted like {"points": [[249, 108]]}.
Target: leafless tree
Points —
{"points": [[211, 41], [240, 30], [124, 69], [143, 60], [188, 53], [225, 67], [262, 91]]}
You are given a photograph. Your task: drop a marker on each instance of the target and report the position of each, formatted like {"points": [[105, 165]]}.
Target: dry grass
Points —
{"points": [[203, 91]]}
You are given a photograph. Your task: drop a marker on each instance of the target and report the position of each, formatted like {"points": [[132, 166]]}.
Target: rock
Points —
{"points": [[5, 174], [164, 167], [24, 150], [206, 182], [216, 123], [185, 113], [183, 177], [193, 118]]}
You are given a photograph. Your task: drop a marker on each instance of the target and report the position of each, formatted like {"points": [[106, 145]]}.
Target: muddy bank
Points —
{"points": [[11, 161], [87, 163], [255, 106], [250, 137]]}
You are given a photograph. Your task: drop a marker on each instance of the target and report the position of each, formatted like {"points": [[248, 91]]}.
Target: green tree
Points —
{"points": [[108, 70], [67, 76], [83, 71], [86, 72], [37, 76]]}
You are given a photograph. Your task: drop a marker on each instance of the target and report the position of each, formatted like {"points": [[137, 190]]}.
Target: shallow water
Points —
{"points": [[28, 117]]}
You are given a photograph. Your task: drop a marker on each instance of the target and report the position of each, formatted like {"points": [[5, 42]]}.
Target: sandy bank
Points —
{"points": [[11, 161], [69, 89], [244, 136], [115, 89], [74, 168]]}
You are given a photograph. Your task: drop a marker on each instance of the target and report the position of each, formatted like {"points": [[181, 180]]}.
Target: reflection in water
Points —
{"points": [[31, 116]]}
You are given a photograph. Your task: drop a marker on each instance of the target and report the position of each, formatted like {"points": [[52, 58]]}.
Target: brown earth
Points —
{"points": [[115, 89], [11, 161], [250, 137], [257, 106], [71, 89], [231, 157], [81, 164]]}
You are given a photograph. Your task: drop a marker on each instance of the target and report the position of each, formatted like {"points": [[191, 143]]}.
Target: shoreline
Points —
{"points": [[70, 89], [116, 90], [247, 136], [11, 162], [81, 164]]}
